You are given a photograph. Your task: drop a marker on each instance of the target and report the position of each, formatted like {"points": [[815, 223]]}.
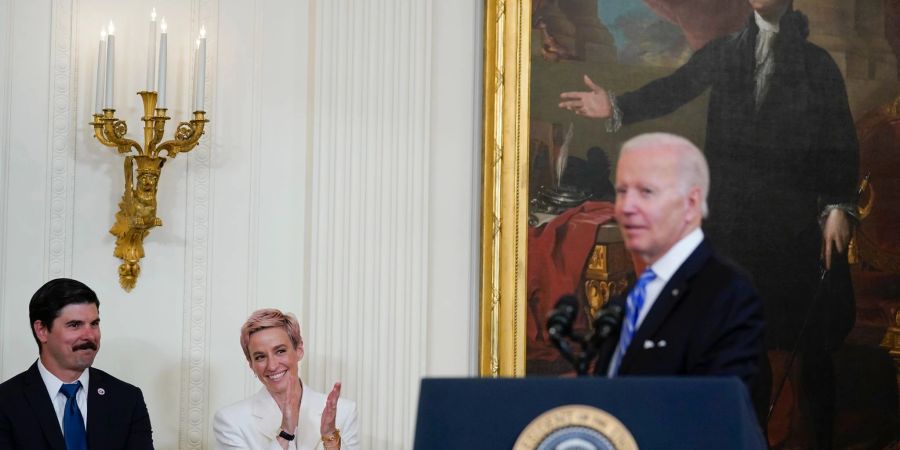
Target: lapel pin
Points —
{"points": [[674, 292], [648, 344], [101, 391]]}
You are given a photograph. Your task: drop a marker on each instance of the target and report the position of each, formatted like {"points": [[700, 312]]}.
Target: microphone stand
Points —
{"points": [[605, 324], [564, 348], [579, 362]]}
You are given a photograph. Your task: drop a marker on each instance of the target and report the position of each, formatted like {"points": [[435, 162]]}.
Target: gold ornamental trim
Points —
{"points": [[869, 251], [572, 424], [504, 187]]}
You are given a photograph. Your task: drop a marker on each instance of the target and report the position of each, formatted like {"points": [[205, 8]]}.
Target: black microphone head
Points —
{"points": [[563, 316], [608, 320], [615, 311]]}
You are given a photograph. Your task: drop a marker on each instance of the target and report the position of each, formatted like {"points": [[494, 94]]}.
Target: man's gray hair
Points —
{"points": [[693, 169]]}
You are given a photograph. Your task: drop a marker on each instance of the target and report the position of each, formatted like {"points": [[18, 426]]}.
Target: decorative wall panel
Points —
{"points": [[195, 414], [61, 154]]}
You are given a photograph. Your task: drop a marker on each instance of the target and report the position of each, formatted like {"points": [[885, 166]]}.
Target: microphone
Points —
{"points": [[562, 317], [607, 324]]}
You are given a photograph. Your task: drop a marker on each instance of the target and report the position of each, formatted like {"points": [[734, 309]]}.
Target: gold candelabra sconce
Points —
{"points": [[143, 166]]}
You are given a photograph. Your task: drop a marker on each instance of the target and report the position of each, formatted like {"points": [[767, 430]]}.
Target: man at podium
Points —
{"points": [[691, 312]]}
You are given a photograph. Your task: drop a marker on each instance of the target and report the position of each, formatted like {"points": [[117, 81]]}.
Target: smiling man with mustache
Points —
{"points": [[61, 402]]}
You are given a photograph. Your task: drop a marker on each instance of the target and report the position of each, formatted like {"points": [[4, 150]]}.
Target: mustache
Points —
{"points": [[85, 346]]}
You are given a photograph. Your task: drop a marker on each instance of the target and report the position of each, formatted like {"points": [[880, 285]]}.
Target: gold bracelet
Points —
{"points": [[333, 437]]}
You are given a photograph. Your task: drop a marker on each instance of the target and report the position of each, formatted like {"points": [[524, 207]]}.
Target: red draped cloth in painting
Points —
{"points": [[557, 255]]}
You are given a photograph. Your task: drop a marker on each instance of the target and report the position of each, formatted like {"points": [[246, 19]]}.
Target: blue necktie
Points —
{"points": [[633, 308], [73, 421]]}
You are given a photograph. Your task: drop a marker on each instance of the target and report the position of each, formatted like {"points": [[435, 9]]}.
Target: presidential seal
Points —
{"points": [[575, 427]]}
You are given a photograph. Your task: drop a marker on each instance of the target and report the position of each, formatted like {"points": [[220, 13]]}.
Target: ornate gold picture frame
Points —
{"points": [[504, 187]]}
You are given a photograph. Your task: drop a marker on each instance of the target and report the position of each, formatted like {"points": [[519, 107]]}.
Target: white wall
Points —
{"points": [[338, 179]]}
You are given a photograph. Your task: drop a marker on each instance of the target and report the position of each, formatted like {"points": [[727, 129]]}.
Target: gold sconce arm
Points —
{"points": [[158, 127], [187, 135], [98, 131], [111, 132]]}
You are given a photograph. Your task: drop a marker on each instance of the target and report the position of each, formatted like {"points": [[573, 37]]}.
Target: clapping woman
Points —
{"points": [[285, 413]]}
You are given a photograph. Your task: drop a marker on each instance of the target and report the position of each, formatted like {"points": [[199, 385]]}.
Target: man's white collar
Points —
{"points": [[666, 266], [765, 25], [53, 383]]}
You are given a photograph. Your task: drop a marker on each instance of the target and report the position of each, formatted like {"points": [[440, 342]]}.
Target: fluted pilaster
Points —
{"points": [[368, 260]]}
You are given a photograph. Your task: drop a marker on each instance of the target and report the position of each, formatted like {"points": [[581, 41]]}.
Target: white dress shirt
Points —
{"points": [[58, 399], [665, 267]]}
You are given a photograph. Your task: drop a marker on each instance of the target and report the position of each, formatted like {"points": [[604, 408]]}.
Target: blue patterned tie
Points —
{"points": [[632, 310], [73, 421]]}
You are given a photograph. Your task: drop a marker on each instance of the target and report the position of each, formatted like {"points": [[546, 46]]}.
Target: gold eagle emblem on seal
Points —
{"points": [[575, 427]]}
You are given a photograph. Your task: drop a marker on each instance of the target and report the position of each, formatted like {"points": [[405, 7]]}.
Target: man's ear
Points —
{"points": [[694, 201], [300, 351], [40, 331]]}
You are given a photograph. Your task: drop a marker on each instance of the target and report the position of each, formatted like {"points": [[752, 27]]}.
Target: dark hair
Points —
{"points": [[55, 295]]}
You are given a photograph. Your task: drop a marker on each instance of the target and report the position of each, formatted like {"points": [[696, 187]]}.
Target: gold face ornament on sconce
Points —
{"points": [[137, 209]]}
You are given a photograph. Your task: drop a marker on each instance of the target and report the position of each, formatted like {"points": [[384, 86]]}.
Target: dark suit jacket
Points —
{"points": [[117, 419], [706, 321]]}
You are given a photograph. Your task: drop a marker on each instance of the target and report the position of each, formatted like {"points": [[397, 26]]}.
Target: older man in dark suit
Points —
{"points": [[691, 312], [784, 158], [61, 402]]}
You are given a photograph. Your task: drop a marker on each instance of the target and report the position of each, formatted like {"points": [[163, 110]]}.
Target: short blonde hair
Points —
{"points": [[270, 318]]}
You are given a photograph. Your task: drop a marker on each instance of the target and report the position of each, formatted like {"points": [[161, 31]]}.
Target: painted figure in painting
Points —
{"points": [[783, 157]]}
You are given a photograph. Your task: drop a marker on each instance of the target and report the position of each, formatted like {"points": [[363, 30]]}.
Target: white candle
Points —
{"points": [[110, 64], [161, 79], [151, 51], [201, 72], [194, 75], [98, 76]]}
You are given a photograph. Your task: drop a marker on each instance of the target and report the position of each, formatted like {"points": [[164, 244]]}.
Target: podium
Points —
{"points": [[659, 412]]}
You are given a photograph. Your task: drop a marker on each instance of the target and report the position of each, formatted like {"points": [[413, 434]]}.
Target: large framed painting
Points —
{"points": [[547, 188]]}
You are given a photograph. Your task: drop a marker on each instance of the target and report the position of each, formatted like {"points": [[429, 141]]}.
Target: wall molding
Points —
{"points": [[61, 151], [200, 189]]}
